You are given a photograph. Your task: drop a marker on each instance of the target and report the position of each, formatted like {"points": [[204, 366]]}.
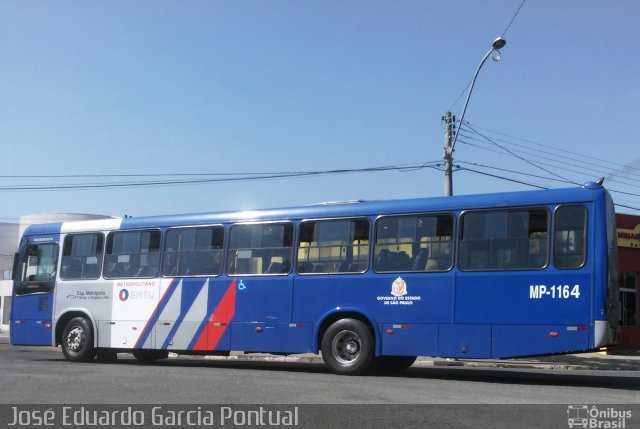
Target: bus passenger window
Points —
{"points": [[193, 252], [260, 249], [333, 246], [414, 243], [82, 256], [131, 254], [570, 237], [503, 240]]}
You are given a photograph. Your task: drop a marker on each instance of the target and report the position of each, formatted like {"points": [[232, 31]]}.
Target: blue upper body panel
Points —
{"points": [[511, 199], [43, 229]]}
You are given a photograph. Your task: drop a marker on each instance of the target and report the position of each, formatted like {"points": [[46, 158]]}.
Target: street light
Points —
{"points": [[498, 44]]}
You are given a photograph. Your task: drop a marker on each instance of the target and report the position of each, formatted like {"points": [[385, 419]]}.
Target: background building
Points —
{"points": [[628, 228], [9, 233]]}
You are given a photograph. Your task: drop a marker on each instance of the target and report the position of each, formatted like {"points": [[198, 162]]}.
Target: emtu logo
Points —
{"points": [[123, 295]]}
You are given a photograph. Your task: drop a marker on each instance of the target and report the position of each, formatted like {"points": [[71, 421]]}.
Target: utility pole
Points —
{"points": [[448, 154]]}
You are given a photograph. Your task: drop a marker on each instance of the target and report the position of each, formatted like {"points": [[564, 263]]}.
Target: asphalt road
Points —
{"points": [[34, 375]]}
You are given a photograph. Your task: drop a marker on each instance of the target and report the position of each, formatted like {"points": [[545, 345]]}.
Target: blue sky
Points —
{"points": [[158, 87]]}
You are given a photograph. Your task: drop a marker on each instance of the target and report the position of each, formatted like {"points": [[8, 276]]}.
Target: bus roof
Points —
{"points": [[585, 193]]}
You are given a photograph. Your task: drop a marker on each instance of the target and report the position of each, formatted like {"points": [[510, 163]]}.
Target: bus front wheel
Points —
{"points": [[347, 347], [77, 340]]}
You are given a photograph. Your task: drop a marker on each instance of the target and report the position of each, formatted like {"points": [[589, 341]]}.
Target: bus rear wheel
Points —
{"points": [[77, 340], [347, 347], [147, 356]]}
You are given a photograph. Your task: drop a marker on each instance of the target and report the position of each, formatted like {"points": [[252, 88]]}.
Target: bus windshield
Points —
{"points": [[37, 269]]}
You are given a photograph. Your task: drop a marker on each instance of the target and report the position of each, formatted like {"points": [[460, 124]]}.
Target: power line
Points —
{"points": [[247, 177], [502, 36], [543, 177], [548, 178], [561, 163], [532, 184], [564, 157], [513, 18], [519, 157], [573, 171], [626, 207], [503, 178], [549, 147], [515, 172]]}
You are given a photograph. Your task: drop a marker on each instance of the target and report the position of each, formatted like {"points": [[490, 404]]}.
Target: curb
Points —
{"points": [[421, 362], [603, 364]]}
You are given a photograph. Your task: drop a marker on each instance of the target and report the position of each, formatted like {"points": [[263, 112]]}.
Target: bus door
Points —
{"points": [[34, 283], [131, 268], [259, 263]]}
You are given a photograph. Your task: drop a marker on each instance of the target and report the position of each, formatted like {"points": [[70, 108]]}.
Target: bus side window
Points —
{"points": [[333, 246], [195, 251], [509, 239], [570, 237], [132, 254], [415, 243], [82, 256], [260, 249]]}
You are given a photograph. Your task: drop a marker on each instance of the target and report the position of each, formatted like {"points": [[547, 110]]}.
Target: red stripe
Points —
{"points": [[223, 313]]}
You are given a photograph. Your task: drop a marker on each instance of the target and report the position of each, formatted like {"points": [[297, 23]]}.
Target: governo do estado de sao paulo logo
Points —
{"points": [[399, 287]]}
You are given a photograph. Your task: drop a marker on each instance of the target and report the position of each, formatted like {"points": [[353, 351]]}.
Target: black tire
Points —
{"points": [[348, 347], [148, 356], [77, 340], [390, 364], [106, 355]]}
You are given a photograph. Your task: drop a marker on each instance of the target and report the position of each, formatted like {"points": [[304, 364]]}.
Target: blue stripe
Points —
{"points": [[154, 317], [190, 290]]}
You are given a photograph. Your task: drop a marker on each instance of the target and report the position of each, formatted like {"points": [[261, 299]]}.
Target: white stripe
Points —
{"points": [[192, 320], [91, 225]]}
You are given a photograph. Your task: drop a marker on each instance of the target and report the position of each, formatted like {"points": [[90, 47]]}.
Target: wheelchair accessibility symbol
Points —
{"points": [[241, 285]]}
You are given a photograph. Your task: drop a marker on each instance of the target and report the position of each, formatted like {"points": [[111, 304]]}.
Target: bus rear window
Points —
{"points": [[504, 240], [570, 237]]}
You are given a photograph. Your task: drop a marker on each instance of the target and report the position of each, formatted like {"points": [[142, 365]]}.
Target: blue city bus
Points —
{"points": [[371, 285]]}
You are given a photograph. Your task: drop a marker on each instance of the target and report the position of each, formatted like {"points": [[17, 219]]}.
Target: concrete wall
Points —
{"points": [[8, 246]]}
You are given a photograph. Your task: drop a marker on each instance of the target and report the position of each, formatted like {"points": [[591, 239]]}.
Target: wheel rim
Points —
{"points": [[75, 339], [346, 347]]}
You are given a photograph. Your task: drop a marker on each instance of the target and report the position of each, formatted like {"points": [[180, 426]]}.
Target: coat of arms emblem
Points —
{"points": [[399, 287]]}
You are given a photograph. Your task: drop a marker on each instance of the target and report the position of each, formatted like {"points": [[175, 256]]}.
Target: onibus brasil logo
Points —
{"points": [[593, 417]]}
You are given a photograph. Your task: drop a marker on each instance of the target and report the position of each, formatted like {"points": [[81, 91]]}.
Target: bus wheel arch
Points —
{"points": [[348, 343], [77, 339], [64, 319]]}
